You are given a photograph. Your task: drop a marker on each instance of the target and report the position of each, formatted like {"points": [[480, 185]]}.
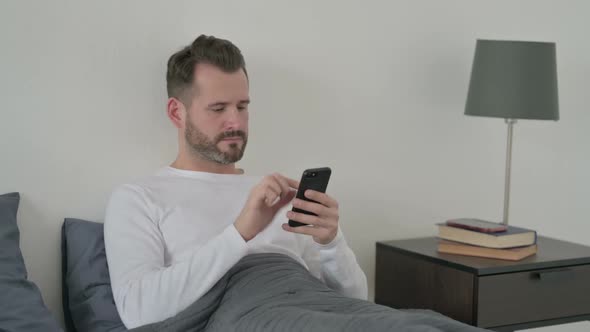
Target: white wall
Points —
{"points": [[373, 89]]}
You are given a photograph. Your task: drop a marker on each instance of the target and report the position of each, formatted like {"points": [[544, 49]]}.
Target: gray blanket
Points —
{"points": [[272, 292]]}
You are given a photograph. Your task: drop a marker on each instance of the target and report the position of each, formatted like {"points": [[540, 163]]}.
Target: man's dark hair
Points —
{"points": [[218, 52]]}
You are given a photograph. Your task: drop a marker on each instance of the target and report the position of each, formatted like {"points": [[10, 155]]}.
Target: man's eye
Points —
{"points": [[242, 108], [217, 110]]}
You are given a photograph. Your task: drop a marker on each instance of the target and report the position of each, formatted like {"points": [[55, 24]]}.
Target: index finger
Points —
{"points": [[292, 183], [282, 181]]}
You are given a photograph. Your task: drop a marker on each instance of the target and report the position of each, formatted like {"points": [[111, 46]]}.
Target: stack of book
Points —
{"points": [[474, 237]]}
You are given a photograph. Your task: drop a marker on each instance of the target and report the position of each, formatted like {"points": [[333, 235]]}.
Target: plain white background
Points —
{"points": [[373, 89]]}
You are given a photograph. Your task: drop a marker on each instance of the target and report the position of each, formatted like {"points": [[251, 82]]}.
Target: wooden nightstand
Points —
{"points": [[552, 287]]}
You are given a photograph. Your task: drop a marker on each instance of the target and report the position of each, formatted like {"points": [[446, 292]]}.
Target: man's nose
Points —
{"points": [[233, 119]]}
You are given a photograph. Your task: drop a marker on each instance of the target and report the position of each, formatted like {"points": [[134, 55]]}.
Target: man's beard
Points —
{"points": [[200, 144]]}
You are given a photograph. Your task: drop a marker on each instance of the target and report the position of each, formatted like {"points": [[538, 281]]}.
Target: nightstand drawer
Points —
{"points": [[513, 298]]}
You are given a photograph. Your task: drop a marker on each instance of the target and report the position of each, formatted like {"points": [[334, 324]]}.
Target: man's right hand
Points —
{"points": [[265, 200]]}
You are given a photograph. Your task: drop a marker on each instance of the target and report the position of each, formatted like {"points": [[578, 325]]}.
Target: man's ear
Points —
{"points": [[176, 112]]}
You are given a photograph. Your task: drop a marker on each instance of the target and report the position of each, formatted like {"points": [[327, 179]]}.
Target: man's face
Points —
{"points": [[216, 126]]}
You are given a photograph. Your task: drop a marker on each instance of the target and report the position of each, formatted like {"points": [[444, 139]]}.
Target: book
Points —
{"points": [[477, 225], [512, 237], [511, 254]]}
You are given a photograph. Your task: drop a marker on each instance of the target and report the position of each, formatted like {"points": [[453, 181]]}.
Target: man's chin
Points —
{"points": [[230, 159], [233, 150], [233, 154]]}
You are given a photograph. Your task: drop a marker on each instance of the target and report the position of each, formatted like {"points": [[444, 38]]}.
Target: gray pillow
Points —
{"points": [[22, 307], [87, 295]]}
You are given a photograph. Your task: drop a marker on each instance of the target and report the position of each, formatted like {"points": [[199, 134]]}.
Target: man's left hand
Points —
{"points": [[323, 227]]}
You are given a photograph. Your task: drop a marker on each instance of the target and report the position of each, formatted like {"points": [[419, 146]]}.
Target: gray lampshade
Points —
{"points": [[513, 80]]}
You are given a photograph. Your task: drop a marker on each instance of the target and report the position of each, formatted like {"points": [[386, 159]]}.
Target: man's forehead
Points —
{"points": [[214, 84]]}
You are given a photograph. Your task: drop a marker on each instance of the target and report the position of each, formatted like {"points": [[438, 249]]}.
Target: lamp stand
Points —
{"points": [[510, 123]]}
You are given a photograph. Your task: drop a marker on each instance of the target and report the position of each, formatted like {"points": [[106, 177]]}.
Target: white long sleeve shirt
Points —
{"points": [[170, 237]]}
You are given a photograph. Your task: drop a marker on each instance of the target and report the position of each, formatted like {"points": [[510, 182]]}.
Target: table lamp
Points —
{"points": [[513, 80]]}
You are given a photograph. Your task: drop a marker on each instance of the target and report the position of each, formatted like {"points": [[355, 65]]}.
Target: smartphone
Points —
{"points": [[314, 179]]}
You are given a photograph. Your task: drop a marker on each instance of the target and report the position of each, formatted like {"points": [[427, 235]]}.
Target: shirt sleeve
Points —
{"points": [[335, 264], [144, 288]]}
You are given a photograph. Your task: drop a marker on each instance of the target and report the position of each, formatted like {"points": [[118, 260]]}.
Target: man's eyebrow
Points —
{"points": [[224, 103], [216, 104]]}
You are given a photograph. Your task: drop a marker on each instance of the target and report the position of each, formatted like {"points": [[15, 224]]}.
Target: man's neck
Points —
{"points": [[200, 165]]}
